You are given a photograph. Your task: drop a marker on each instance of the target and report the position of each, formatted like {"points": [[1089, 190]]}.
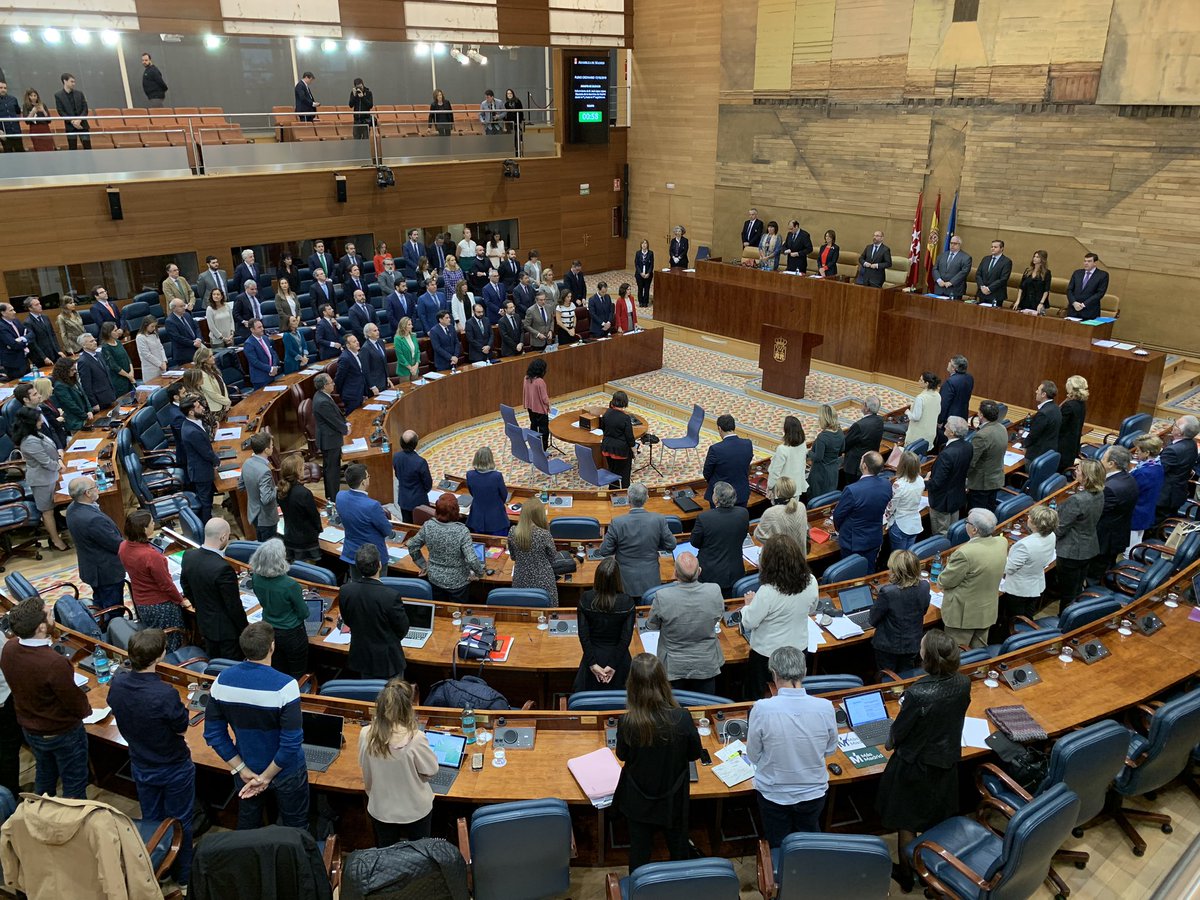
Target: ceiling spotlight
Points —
{"points": [[354, 45], [474, 54], [328, 46], [110, 38], [304, 44], [81, 37], [439, 49], [51, 36], [20, 36], [457, 55], [211, 41], [422, 49]]}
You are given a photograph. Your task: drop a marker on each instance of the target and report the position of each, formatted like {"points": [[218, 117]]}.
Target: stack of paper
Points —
{"points": [[337, 636], [975, 732], [815, 638], [358, 445], [649, 641], [433, 376], [97, 715], [84, 445], [597, 774], [275, 388], [1011, 458], [734, 771], [388, 396], [842, 628]]}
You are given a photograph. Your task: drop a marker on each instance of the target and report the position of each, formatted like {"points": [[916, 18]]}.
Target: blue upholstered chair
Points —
{"points": [[193, 528], [1021, 640], [957, 533], [810, 866], [603, 700], [365, 689], [829, 498], [696, 879], [745, 584], [691, 440], [537, 456], [1049, 486], [828, 684], [535, 598], [589, 472], [575, 528], [1013, 506], [410, 588], [931, 546], [846, 569], [1078, 614], [520, 849]]}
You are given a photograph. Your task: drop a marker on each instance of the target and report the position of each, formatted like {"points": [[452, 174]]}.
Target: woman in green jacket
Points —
{"points": [[120, 369], [408, 351], [69, 396], [283, 607]]}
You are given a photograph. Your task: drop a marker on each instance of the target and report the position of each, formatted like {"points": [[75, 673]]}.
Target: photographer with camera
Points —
{"points": [[362, 102]]}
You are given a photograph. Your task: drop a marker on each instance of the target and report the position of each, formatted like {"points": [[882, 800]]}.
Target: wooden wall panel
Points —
{"points": [[71, 224], [374, 20], [524, 22]]}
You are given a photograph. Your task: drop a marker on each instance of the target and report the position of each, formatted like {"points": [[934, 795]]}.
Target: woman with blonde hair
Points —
{"points": [[903, 521], [787, 516], [898, 613], [825, 452], [209, 383], [532, 550], [451, 276], [1148, 473], [397, 767], [1074, 411], [549, 286], [487, 514], [1076, 531], [408, 352]]}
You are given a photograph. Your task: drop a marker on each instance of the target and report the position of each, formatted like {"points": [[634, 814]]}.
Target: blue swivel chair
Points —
{"points": [[535, 598], [810, 866], [745, 584], [241, 550], [575, 528], [193, 528], [411, 588], [1013, 506], [1054, 483], [520, 849], [697, 879], [829, 684], [827, 499], [957, 533], [589, 472], [365, 689], [846, 569], [691, 440], [931, 546], [516, 442], [1078, 614]]}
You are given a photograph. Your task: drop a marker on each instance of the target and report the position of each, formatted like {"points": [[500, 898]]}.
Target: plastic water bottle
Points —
{"points": [[103, 669], [101, 479], [935, 570], [387, 448], [468, 725], [1054, 505]]}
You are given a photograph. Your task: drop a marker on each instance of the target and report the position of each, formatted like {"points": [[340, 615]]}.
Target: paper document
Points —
{"points": [[1124, 346], [751, 554], [599, 432], [815, 638], [729, 751], [433, 376], [1104, 343], [649, 641], [255, 616], [97, 715], [1011, 458], [84, 445], [333, 535], [387, 396], [975, 732], [80, 680], [735, 771], [395, 554], [597, 774], [374, 407], [935, 599], [358, 445], [842, 628], [849, 741], [228, 434], [337, 636], [924, 503], [173, 373], [275, 388], [249, 601]]}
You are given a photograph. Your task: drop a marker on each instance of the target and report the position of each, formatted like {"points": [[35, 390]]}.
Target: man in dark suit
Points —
{"points": [[445, 343], [210, 583], [512, 331], [947, 484], [175, 419], [796, 247], [1086, 289], [718, 534], [43, 344], [991, 278], [413, 479], [353, 284], [105, 310], [729, 460], [956, 395], [261, 359], [306, 103], [321, 259], [322, 289], [52, 422], [346, 264], [636, 539], [388, 278], [524, 294], [373, 354], [752, 229], [363, 518], [951, 270], [376, 617], [14, 345], [575, 281], [862, 437], [876, 259], [97, 540], [430, 305], [436, 253], [1045, 424], [350, 382], [211, 279], [329, 333], [1120, 497], [246, 308], [201, 460], [1178, 460], [182, 333], [479, 335], [858, 516], [361, 314], [247, 270], [399, 306], [510, 270], [93, 375], [413, 250], [539, 322], [494, 297], [332, 428], [600, 312]]}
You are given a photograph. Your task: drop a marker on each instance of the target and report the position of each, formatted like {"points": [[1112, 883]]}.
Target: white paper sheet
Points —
{"points": [[1104, 343], [255, 616], [842, 628], [228, 434], [975, 732], [729, 751], [97, 715], [275, 388], [336, 637], [815, 638], [387, 396], [649, 641], [433, 376], [935, 599], [849, 741], [751, 554], [735, 771], [374, 407], [1123, 346], [333, 535], [1011, 458], [80, 679], [173, 373], [84, 445], [358, 445]]}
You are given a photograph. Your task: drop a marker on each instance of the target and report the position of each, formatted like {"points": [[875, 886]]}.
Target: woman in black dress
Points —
{"points": [[302, 522], [825, 452], [827, 256], [656, 740], [514, 117], [617, 444], [919, 787], [643, 272], [441, 114], [1035, 285], [1074, 411], [287, 269], [605, 630]]}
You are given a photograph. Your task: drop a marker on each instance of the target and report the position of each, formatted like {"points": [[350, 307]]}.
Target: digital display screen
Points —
{"points": [[591, 116], [587, 98]]}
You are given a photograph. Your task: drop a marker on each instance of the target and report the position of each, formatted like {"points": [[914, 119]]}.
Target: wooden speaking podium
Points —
{"points": [[784, 355]]}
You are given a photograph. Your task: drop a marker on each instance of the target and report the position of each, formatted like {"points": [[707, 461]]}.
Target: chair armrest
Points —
{"points": [[333, 861], [766, 872], [990, 802], [305, 681], [1028, 621], [61, 584], [464, 847], [612, 886], [123, 610], [176, 829], [963, 869], [895, 676], [188, 662], [996, 771], [528, 704]]}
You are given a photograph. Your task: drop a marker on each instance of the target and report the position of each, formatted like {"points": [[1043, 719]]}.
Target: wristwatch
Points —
{"points": [[239, 768]]}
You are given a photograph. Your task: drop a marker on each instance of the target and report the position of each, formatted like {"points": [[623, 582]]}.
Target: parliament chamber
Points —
{"points": [[793, 111]]}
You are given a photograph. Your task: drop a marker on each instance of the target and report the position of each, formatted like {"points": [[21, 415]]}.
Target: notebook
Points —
{"points": [[597, 774], [420, 625], [449, 750], [322, 740], [867, 716]]}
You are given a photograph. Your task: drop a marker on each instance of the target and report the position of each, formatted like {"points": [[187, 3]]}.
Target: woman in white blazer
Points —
{"points": [[790, 458], [151, 352], [1025, 571], [903, 522], [923, 411]]}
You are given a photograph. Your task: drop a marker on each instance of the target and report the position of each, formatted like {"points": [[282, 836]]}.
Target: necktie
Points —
{"points": [[357, 361], [256, 307], [266, 349], [1086, 276], [953, 253], [544, 319], [178, 287]]}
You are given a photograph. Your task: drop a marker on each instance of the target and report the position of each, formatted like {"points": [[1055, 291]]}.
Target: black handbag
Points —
{"points": [[476, 643], [564, 563]]}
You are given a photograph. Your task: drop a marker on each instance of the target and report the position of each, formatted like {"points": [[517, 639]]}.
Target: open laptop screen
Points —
{"points": [[855, 598], [322, 730], [864, 708], [420, 615], [448, 748]]}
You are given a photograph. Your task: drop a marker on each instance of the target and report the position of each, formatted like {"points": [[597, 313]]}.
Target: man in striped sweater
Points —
{"points": [[262, 706]]}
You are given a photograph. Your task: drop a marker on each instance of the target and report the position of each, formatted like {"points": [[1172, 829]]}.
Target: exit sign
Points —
{"points": [[591, 115]]}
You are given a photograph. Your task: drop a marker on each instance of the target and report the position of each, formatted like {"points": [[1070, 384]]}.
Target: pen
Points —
{"points": [[530, 636]]}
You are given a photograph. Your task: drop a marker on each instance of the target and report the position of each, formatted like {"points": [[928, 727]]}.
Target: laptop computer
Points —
{"points": [[420, 625], [322, 740], [867, 716], [856, 604], [450, 750]]}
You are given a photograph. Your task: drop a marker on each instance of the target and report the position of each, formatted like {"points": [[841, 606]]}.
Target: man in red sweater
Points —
{"points": [[50, 708]]}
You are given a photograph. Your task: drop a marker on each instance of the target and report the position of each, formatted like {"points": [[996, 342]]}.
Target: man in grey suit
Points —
{"points": [[636, 539], [332, 428], [950, 270], [986, 475], [685, 615], [991, 278], [258, 482], [387, 278], [539, 322], [210, 279]]}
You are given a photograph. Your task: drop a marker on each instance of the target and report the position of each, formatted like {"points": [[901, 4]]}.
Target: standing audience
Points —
{"points": [[452, 564], [636, 539], [1178, 460], [790, 459], [686, 614], [211, 586], [159, 603], [532, 550], [826, 449], [1116, 517], [375, 615], [903, 522], [606, 614], [1077, 543], [777, 613], [718, 534], [1148, 473], [1073, 413], [971, 581], [859, 513], [1025, 569], [948, 479], [985, 476], [301, 519], [488, 512], [283, 608], [97, 542], [923, 411], [898, 613], [786, 515]]}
